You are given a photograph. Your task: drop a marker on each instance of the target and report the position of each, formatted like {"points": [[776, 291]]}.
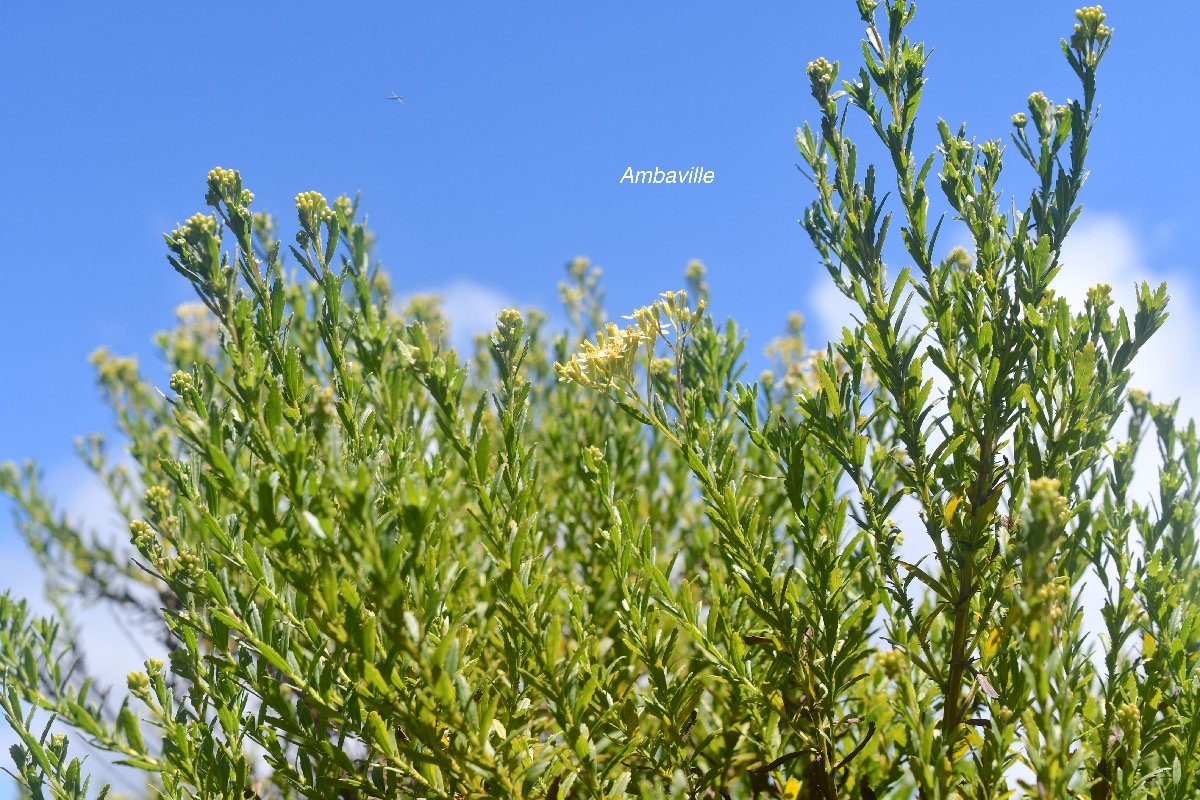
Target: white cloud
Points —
{"points": [[1107, 249], [1102, 248], [832, 311], [470, 308]]}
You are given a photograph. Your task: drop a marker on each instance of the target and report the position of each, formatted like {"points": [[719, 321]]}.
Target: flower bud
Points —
{"points": [[138, 683], [821, 75], [182, 382]]}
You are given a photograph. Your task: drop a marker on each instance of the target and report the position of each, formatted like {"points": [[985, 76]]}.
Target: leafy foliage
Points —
{"points": [[381, 571]]}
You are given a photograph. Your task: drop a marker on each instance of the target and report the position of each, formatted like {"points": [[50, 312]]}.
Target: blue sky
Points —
{"points": [[505, 159]]}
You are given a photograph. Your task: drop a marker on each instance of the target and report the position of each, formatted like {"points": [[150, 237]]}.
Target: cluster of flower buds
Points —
{"points": [[191, 240], [313, 211], [142, 536], [156, 496], [225, 186], [1047, 117], [344, 207], [182, 382], [1090, 29], [892, 662], [1045, 502], [1129, 718], [1053, 598], [508, 329], [694, 274], [1100, 296], [581, 295], [821, 77], [144, 685]]}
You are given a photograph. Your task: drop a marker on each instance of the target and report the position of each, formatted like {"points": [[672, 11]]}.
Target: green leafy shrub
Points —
{"points": [[615, 569]]}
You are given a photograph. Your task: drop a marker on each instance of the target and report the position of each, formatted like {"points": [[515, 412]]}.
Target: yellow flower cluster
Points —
{"points": [[509, 319], [187, 566], [1129, 715], [610, 360], [142, 534]]}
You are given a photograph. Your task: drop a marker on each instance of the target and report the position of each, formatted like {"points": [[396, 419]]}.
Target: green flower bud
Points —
{"points": [[1129, 718], [193, 236], [509, 328], [1091, 28], [1100, 295], [1046, 503], [1090, 16], [223, 185], [892, 662], [821, 75], [182, 382], [138, 683], [661, 366], [312, 211], [156, 496], [189, 567], [1040, 108], [141, 534]]}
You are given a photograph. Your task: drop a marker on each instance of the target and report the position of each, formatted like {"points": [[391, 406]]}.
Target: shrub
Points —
{"points": [[616, 569]]}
